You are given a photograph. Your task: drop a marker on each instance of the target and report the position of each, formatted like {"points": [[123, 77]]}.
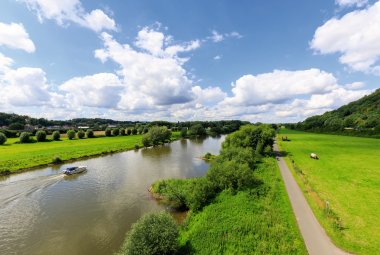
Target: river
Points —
{"points": [[44, 212]]}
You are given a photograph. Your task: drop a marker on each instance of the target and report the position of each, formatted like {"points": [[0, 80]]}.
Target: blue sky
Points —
{"points": [[268, 61]]}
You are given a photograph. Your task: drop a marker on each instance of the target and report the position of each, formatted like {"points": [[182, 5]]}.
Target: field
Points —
{"points": [[259, 221], [342, 187], [14, 157]]}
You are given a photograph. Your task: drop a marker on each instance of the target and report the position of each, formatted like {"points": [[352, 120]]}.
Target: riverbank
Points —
{"points": [[347, 168], [15, 158]]}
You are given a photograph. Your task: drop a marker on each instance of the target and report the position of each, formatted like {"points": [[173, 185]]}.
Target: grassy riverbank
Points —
{"points": [[15, 157], [257, 221], [347, 175]]}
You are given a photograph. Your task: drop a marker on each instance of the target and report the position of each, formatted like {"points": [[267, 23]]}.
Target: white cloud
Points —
{"points": [[216, 37], [208, 96], [14, 36], [355, 36], [151, 77], [279, 86], [348, 3], [355, 85], [65, 11], [5, 63], [217, 57], [99, 90]]}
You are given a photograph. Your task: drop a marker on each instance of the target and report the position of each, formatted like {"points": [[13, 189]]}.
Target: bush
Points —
{"points": [[122, 131], [152, 234], [41, 136], [80, 134], [90, 133], [115, 132], [3, 138], [183, 132], [137, 146], [156, 135], [57, 160], [129, 132], [56, 136], [25, 137], [134, 131], [70, 134], [107, 132]]}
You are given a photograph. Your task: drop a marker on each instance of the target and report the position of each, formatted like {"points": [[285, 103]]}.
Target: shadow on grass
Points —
{"points": [[185, 249]]}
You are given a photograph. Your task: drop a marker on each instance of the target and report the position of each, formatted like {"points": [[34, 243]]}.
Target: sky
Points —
{"points": [[260, 61]]}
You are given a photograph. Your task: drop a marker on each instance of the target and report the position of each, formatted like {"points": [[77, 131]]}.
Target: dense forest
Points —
{"points": [[361, 117]]}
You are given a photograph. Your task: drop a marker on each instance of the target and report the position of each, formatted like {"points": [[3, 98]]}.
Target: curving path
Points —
{"points": [[316, 240]]}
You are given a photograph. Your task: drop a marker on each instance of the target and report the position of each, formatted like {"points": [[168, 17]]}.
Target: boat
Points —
{"points": [[75, 170]]}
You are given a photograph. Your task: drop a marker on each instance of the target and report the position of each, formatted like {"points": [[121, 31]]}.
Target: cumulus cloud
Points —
{"points": [[66, 11], [14, 36], [355, 36], [99, 90], [348, 3], [279, 86], [208, 96], [218, 37], [151, 75]]}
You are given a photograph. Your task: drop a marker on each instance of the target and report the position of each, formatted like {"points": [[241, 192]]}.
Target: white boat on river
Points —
{"points": [[75, 170]]}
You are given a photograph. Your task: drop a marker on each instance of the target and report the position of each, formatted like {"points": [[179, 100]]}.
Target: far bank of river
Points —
{"points": [[43, 212]]}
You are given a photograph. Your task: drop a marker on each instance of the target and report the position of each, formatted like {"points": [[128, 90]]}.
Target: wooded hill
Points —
{"points": [[358, 117]]}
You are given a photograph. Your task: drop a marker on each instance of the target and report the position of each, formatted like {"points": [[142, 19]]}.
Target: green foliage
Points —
{"points": [[134, 131], [107, 132], [56, 136], [156, 136], [152, 234], [122, 131], [197, 130], [184, 132], [70, 134], [80, 134], [16, 126], [137, 146], [129, 131], [25, 137], [41, 136], [3, 138], [115, 131], [360, 117], [90, 133], [145, 130], [57, 160]]}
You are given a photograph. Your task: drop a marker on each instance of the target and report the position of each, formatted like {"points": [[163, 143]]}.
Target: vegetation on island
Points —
{"points": [[342, 187], [360, 118], [240, 206]]}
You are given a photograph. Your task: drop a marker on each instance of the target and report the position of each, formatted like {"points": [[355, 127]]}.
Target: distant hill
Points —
{"points": [[361, 116]]}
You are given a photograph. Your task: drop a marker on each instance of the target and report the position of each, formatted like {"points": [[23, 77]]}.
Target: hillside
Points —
{"points": [[361, 116]]}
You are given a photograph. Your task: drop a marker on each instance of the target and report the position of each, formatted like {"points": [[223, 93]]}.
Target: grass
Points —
{"points": [[347, 176], [15, 157], [258, 221]]}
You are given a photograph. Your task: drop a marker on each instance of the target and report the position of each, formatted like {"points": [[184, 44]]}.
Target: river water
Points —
{"points": [[44, 212]]}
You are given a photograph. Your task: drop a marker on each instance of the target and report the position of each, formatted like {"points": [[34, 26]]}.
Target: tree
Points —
{"points": [[90, 133], [134, 131], [107, 132], [197, 130], [16, 126], [25, 137], [129, 131], [3, 138], [80, 134], [70, 134], [184, 132], [152, 234], [41, 136], [56, 135], [156, 135], [122, 131], [115, 132]]}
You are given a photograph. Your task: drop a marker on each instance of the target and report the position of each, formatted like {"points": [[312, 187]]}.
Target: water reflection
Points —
{"points": [[45, 212]]}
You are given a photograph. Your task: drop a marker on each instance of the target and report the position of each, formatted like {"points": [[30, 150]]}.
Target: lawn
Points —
{"points": [[258, 221], [14, 157], [342, 187]]}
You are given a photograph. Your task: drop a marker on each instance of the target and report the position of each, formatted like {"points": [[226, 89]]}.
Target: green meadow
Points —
{"points": [[16, 156], [258, 221], [342, 187]]}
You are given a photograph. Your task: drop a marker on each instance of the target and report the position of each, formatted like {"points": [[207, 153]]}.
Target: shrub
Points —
{"points": [[41, 136], [137, 146], [145, 130], [57, 160], [122, 131], [183, 132], [89, 133], [115, 132], [134, 131], [25, 137], [152, 234], [56, 136], [129, 132], [107, 132], [156, 135], [70, 134], [80, 134], [3, 138]]}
